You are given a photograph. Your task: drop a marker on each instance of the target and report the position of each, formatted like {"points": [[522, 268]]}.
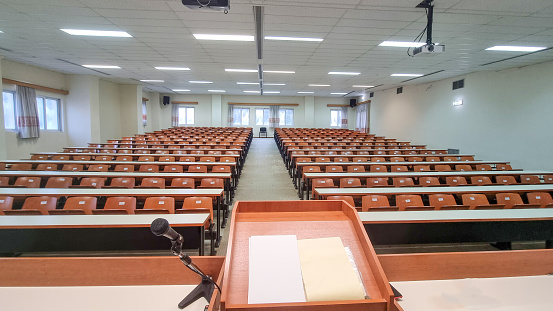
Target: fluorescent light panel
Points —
{"points": [[217, 91], [96, 33], [101, 67], [406, 75], [274, 84], [338, 93], [363, 86], [153, 81], [223, 37], [248, 83], [319, 84], [402, 44], [516, 48], [200, 82], [172, 68], [293, 39], [180, 90], [255, 70], [264, 92], [344, 73], [278, 71], [306, 92]]}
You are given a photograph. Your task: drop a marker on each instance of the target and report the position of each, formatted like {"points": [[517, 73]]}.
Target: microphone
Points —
{"points": [[161, 227]]}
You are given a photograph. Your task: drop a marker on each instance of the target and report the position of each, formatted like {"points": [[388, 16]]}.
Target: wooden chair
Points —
{"points": [[454, 181], [356, 169], [322, 159], [27, 182], [411, 202], [166, 159], [103, 158], [341, 159], [173, 168], [47, 167], [158, 205], [81, 158], [483, 167], [378, 159], [467, 158], [4, 181], [321, 183], [117, 206], [39, 157], [121, 182], [98, 168], [450, 159], [377, 182], [421, 168], [212, 183], [59, 182], [463, 168], [442, 168], [378, 168], [360, 159], [399, 168], [221, 169], [123, 158], [152, 183], [371, 203], [21, 167], [445, 202], [187, 159], [548, 179], [505, 180], [334, 169], [77, 206], [503, 167], [513, 200], [154, 168], [226, 159], [432, 159], [530, 180], [429, 181], [479, 201], [397, 159], [6, 204], [198, 205], [124, 168], [480, 180], [403, 182], [91, 183], [197, 169], [60, 158], [185, 183], [347, 198], [350, 183], [146, 159], [542, 198], [416, 159], [35, 206], [72, 167]]}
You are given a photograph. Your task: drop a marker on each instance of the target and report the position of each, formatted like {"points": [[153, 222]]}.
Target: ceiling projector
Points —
{"points": [[207, 4], [429, 49]]}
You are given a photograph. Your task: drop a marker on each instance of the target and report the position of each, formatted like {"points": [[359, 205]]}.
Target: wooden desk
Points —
{"points": [[308, 177], [103, 283], [215, 194], [515, 280], [456, 226], [358, 192], [70, 233]]}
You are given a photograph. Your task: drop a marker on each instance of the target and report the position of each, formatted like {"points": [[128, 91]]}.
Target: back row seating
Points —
{"points": [[405, 168]]}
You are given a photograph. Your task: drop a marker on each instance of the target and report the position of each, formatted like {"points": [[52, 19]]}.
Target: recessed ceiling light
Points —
{"points": [[319, 84], [241, 70], [516, 48], [278, 71], [252, 91], [344, 73], [153, 81], [248, 83], [217, 91], [274, 84], [293, 39], [406, 75], [172, 68], [363, 86], [202, 82], [96, 33], [338, 93], [180, 90], [1, 31], [306, 92], [223, 37], [271, 92], [101, 67], [402, 44]]}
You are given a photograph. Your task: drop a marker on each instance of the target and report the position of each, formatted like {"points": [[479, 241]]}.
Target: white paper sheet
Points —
{"points": [[274, 270]]}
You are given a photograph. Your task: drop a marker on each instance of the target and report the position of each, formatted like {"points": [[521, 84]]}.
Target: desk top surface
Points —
{"points": [[116, 162], [402, 163], [456, 215], [110, 192], [112, 174], [140, 154], [96, 221], [425, 174]]}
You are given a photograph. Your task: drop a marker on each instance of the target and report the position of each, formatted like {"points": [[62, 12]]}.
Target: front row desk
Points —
{"points": [[517, 279]]}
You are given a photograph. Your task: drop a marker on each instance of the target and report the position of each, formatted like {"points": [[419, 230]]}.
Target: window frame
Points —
{"points": [[282, 121], [186, 115], [339, 120], [58, 100], [240, 124], [263, 119], [14, 129]]}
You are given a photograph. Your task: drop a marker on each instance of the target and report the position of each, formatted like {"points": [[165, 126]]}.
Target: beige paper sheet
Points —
{"points": [[327, 273]]}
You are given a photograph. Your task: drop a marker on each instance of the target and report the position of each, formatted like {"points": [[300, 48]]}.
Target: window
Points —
{"points": [[186, 115], [48, 110], [241, 116], [286, 117], [335, 117], [9, 110], [262, 116]]}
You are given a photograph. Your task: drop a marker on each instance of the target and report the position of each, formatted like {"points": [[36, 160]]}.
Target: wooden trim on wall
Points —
{"points": [[335, 105], [144, 99], [365, 102], [261, 104], [184, 103], [35, 86]]}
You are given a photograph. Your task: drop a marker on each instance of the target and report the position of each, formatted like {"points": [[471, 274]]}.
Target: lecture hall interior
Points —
{"points": [[294, 155]]}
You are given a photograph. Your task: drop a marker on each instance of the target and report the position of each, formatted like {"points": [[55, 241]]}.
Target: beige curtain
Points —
{"points": [[362, 116], [274, 116], [230, 118], [175, 115], [26, 112], [344, 118]]}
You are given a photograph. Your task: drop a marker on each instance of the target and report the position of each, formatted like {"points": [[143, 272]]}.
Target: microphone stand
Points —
{"points": [[205, 288]]}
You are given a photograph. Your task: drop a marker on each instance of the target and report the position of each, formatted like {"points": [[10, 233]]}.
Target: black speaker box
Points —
{"points": [[353, 102], [166, 100]]}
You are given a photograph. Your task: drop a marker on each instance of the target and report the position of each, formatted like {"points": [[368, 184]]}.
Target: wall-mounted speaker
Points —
{"points": [[166, 100], [371, 94], [353, 102]]}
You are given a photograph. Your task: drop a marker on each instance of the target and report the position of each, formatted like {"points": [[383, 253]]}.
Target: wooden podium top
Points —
{"points": [[306, 220]]}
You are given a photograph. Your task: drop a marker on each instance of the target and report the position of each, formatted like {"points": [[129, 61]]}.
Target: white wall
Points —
{"points": [[322, 112], [110, 111], [505, 115], [83, 110]]}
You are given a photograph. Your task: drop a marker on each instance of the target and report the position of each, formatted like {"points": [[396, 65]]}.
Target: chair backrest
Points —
{"points": [[215, 183], [4, 181], [377, 181], [197, 169], [399, 168], [463, 167], [120, 205], [378, 168], [480, 180], [403, 182], [441, 200], [126, 182], [21, 167], [221, 169], [124, 168], [397, 159], [432, 159], [378, 159], [39, 157], [6, 204], [226, 159], [187, 159], [350, 182], [455, 181], [505, 180], [196, 152], [166, 159], [450, 158], [263, 130], [93, 182], [123, 158], [334, 169], [158, 205], [474, 200], [41, 204], [81, 158], [28, 182], [173, 168], [356, 169], [153, 182], [60, 158], [198, 204], [360, 159], [312, 169], [47, 167], [405, 201], [215, 152], [429, 181], [530, 180], [72, 167], [503, 167], [509, 199], [322, 159], [322, 183], [483, 167], [442, 168], [146, 159], [98, 168], [149, 168], [542, 198], [374, 201], [467, 158], [59, 182], [548, 179], [416, 159], [207, 159], [347, 198], [86, 204], [302, 160], [182, 183], [421, 168]]}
